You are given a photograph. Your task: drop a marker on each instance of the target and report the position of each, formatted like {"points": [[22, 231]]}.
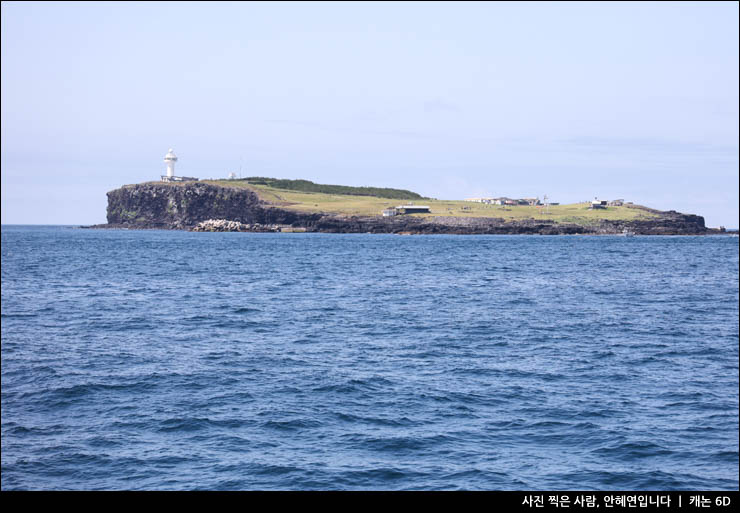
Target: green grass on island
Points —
{"points": [[361, 205]]}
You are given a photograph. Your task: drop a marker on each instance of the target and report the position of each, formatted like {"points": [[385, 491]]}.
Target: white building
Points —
{"points": [[597, 203]]}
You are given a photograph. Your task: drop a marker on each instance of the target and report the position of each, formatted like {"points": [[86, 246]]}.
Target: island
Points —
{"points": [[259, 204]]}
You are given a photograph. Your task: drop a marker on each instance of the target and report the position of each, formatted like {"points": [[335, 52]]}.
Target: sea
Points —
{"points": [[171, 360]]}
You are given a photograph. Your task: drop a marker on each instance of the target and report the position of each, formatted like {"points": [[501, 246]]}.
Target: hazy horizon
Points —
{"points": [[451, 100]]}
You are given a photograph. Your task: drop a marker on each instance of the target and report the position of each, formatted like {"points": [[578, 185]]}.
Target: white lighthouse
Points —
{"points": [[170, 160]]}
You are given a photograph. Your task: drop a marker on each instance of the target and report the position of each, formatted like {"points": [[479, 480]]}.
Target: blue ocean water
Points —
{"points": [[176, 360]]}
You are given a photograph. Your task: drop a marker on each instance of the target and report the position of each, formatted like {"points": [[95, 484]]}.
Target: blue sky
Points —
{"points": [[452, 100]]}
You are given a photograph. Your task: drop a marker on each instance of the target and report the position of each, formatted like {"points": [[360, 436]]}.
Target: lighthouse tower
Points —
{"points": [[170, 160]]}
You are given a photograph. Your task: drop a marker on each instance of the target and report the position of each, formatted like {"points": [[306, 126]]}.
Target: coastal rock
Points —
{"points": [[224, 225]]}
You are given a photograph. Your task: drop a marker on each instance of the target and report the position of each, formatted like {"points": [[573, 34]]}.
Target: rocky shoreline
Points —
{"points": [[204, 207]]}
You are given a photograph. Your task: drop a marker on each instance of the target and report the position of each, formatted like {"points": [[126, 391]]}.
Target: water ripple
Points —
{"points": [[174, 360]]}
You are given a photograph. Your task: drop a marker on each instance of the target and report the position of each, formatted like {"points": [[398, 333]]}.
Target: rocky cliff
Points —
{"points": [[183, 206]]}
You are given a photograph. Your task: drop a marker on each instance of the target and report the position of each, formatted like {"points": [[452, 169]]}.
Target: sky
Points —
{"points": [[451, 100]]}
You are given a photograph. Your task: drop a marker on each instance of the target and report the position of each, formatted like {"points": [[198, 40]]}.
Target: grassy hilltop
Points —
{"points": [[341, 190], [305, 196]]}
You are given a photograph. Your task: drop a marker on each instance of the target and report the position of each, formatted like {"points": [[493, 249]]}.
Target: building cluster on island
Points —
{"points": [[509, 201], [595, 204]]}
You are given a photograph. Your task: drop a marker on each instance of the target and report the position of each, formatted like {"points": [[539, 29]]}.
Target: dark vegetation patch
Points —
{"points": [[308, 186]]}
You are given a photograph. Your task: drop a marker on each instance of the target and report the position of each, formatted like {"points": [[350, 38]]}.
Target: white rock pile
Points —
{"points": [[224, 225]]}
